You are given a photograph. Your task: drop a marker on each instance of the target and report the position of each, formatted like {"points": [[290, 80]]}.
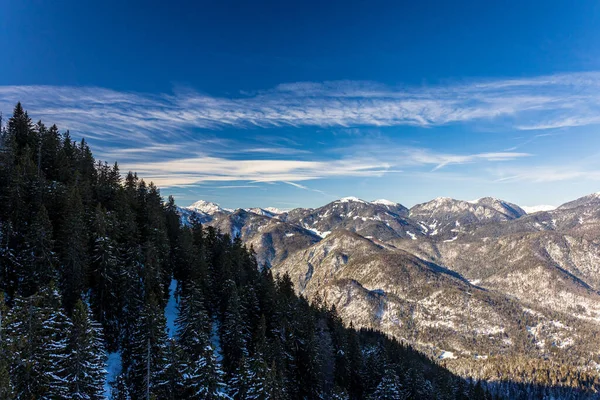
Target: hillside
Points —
{"points": [[479, 285], [108, 291]]}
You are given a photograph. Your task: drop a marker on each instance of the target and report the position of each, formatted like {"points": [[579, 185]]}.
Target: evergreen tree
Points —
{"points": [[20, 131], [145, 353], [86, 367], [37, 332], [6, 387], [202, 374], [390, 387], [105, 276], [73, 252], [38, 258], [170, 381], [116, 243], [234, 331]]}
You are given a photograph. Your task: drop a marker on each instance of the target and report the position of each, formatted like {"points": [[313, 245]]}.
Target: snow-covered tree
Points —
{"points": [[233, 330], [390, 387], [6, 388], [86, 371], [37, 333]]}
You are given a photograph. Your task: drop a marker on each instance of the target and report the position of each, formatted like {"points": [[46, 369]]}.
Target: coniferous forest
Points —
{"points": [[89, 259]]}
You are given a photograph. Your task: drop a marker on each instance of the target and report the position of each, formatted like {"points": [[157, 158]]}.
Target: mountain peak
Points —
{"points": [[589, 200], [205, 207], [351, 199], [384, 202]]}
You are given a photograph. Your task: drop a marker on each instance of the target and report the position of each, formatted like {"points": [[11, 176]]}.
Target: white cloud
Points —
{"points": [[546, 174], [158, 135], [529, 103], [202, 169]]}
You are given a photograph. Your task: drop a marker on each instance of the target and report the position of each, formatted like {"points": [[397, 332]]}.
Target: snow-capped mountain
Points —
{"points": [[206, 207], [591, 200], [267, 211], [445, 217], [474, 278], [538, 208], [369, 219]]}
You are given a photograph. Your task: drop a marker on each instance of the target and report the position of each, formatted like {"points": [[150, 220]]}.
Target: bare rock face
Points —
{"points": [[474, 279]]}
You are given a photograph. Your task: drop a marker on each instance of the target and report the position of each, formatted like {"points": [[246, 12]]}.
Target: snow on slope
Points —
{"points": [[205, 207], [171, 308], [384, 202], [541, 207], [113, 369], [351, 199]]}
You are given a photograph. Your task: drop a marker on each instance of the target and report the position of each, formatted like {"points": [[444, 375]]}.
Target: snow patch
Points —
{"points": [[113, 369], [534, 209], [447, 355], [215, 341], [171, 308], [384, 202], [205, 207], [412, 235], [319, 233], [351, 199]]}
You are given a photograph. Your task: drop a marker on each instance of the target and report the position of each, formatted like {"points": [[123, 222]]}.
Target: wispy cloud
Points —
{"points": [[545, 174], [191, 171], [303, 187], [529, 103], [203, 169], [175, 139]]}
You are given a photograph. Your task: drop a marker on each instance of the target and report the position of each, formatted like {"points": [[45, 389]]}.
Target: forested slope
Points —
{"points": [[86, 262]]}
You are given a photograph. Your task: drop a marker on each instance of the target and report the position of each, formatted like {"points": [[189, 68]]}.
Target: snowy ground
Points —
{"points": [[113, 367], [171, 309]]}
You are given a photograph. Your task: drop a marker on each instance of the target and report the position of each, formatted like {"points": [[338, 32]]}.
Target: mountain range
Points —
{"points": [[467, 282]]}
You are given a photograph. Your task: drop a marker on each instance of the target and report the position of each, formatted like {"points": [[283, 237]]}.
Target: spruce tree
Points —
{"points": [[37, 333], [73, 251], [234, 332], [86, 367], [105, 273], [6, 356], [38, 261], [20, 131], [390, 387]]}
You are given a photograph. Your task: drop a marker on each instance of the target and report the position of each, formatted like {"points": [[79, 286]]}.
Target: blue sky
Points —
{"points": [[291, 104]]}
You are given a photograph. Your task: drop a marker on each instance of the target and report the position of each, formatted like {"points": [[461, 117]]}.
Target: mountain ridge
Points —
{"points": [[476, 279]]}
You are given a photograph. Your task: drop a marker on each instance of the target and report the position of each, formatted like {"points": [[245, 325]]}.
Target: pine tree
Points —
{"points": [[390, 387], [38, 259], [170, 382], [417, 387], [105, 274], [73, 252], [68, 218], [20, 131], [37, 334], [145, 348], [241, 379], [50, 144], [86, 368], [234, 331], [6, 357], [193, 324]]}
